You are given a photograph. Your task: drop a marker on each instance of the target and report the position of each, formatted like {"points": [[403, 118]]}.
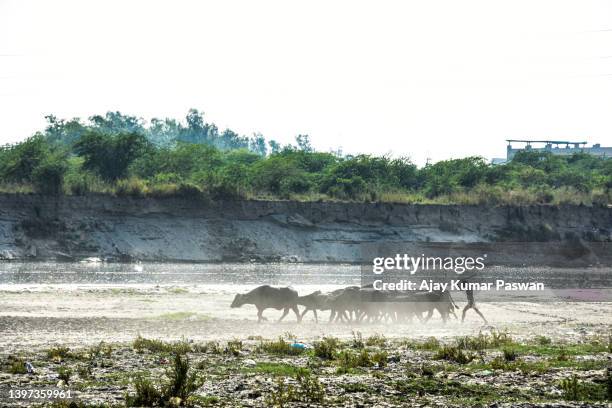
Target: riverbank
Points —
{"points": [[102, 342], [71, 228]]}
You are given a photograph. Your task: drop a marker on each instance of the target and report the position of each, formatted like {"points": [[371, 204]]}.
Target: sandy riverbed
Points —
{"points": [[42, 315]]}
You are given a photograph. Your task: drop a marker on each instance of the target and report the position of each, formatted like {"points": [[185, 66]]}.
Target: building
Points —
{"points": [[559, 147]]}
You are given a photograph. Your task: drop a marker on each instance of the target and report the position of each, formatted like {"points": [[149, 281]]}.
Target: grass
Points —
{"points": [[234, 347], [59, 353], [485, 341], [355, 387], [17, 366], [308, 389], [431, 343], [275, 369], [576, 390], [561, 349], [349, 360], [177, 291], [454, 354], [551, 372], [174, 316], [539, 366], [376, 340], [279, 347], [462, 393], [64, 374], [141, 344], [101, 349], [510, 354]]}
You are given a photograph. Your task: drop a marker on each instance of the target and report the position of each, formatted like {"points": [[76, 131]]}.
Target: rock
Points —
{"points": [[299, 221], [251, 394], [393, 359], [249, 362]]}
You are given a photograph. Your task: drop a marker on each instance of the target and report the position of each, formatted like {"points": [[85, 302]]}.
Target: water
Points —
{"points": [[52, 273], [15, 276]]}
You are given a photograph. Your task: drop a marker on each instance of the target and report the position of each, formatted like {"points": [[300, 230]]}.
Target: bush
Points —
{"points": [[140, 344], [347, 188], [279, 346], [310, 388], [348, 360], [180, 384], [59, 353], [510, 354], [454, 354], [17, 366], [147, 395], [132, 187], [64, 374], [327, 348], [48, 176]]}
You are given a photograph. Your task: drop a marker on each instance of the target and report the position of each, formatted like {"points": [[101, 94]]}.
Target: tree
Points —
{"points": [[303, 142], [18, 161], [275, 147], [110, 155], [257, 144], [48, 176], [113, 123]]}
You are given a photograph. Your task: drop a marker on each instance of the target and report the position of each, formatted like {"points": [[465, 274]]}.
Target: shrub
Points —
{"points": [[279, 346], [48, 177], [380, 358], [454, 354], [180, 384], [189, 190], [310, 388], [281, 394], [498, 363], [234, 347], [327, 348], [133, 187], [17, 367], [510, 354], [147, 395], [376, 340], [543, 340], [64, 374], [570, 388], [58, 353], [431, 343], [348, 360], [140, 344], [357, 340]]}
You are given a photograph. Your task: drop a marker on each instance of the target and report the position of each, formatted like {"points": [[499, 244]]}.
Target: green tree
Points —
{"points": [[110, 155]]}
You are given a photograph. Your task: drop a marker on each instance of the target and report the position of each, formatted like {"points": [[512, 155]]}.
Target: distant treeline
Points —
{"points": [[119, 154]]}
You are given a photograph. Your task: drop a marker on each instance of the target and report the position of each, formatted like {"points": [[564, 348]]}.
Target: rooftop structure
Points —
{"points": [[560, 147]]}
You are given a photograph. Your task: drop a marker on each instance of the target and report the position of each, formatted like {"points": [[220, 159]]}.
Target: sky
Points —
{"points": [[424, 79]]}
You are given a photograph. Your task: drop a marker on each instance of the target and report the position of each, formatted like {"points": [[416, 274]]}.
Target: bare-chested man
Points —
{"points": [[471, 305]]}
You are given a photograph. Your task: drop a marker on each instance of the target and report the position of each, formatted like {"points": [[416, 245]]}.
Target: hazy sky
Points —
{"points": [[434, 79]]}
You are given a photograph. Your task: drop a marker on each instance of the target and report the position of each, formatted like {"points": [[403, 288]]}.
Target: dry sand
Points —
{"points": [[38, 316]]}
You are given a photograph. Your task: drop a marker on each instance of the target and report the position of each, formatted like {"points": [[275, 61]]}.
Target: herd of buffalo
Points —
{"points": [[355, 304]]}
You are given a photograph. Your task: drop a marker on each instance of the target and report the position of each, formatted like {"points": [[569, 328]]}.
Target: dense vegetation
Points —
{"points": [[118, 154]]}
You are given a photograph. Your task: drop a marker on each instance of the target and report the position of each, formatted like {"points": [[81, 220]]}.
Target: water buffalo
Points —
{"points": [[342, 301], [315, 301], [440, 301], [266, 297]]}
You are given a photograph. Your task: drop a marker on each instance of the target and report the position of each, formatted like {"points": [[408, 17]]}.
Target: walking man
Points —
{"points": [[471, 305]]}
